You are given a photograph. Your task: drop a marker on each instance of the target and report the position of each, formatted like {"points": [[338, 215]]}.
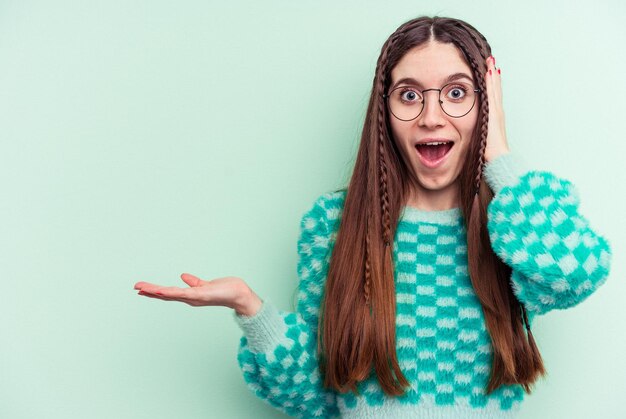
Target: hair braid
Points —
{"points": [[477, 226], [483, 53], [535, 357], [382, 169], [382, 155], [484, 56], [368, 275], [484, 103]]}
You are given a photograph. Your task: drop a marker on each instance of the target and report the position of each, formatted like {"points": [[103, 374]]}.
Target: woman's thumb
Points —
{"points": [[191, 280]]}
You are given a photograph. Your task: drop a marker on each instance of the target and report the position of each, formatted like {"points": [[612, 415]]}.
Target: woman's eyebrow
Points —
{"points": [[451, 77]]}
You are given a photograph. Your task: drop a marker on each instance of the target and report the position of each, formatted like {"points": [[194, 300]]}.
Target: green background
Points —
{"points": [[143, 139]]}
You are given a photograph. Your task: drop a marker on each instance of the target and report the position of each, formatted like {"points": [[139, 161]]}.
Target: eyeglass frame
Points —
{"points": [[387, 96]]}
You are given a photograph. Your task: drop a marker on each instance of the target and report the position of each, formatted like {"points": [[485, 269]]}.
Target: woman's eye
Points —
{"points": [[409, 96], [456, 93]]}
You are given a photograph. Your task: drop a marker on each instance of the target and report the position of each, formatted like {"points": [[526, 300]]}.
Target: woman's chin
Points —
{"points": [[435, 183]]}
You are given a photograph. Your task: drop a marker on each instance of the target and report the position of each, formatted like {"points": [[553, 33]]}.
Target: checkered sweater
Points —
{"points": [[443, 346]]}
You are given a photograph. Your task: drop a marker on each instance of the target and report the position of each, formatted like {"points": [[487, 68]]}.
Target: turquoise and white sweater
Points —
{"points": [[443, 345]]}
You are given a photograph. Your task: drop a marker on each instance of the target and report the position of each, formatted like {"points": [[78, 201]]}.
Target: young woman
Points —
{"points": [[420, 280]]}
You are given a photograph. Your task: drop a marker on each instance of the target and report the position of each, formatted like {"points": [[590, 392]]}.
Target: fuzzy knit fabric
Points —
{"points": [[443, 346]]}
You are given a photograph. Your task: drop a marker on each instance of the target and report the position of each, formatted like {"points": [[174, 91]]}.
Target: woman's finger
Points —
{"points": [[494, 86], [164, 298], [489, 76], [191, 280], [141, 285], [191, 294], [170, 292], [157, 296]]}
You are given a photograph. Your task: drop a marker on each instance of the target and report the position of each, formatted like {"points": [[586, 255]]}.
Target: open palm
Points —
{"points": [[228, 291]]}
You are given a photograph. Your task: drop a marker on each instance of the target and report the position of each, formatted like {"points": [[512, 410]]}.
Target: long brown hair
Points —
{"points": [[357, 315]]}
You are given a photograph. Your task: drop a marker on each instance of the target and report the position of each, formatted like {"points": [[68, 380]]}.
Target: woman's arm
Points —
{"points": [[535, 227], [278, 352]]}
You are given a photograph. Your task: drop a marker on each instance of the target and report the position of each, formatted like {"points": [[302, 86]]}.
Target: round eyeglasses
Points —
{"points": [[456, 99]]}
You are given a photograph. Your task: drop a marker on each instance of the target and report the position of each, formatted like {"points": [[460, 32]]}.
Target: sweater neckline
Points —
{"points": [[450, 216]]}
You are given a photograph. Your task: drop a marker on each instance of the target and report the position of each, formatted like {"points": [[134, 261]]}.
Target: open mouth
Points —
{"points": [[434, 153]]}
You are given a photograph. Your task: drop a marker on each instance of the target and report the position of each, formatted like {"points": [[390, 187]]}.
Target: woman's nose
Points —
{"points": [[432, 115]]}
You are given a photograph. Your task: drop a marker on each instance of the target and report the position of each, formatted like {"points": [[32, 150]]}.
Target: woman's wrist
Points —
{"points": [[249, 304], [494, 154], [505, 170]]}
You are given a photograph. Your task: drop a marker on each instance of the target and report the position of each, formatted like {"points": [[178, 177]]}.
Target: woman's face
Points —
{"points": [[433, 172]]}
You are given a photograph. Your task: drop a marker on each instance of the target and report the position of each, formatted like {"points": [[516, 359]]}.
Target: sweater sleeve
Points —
{"points": [[278, 352], [535, 227]]}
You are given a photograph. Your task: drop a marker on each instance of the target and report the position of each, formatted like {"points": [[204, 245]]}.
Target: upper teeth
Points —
{"points": [[436, 143]]}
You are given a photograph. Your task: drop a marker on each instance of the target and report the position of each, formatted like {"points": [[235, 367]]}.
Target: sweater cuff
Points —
{"points": [[504, 170], [264, 329]]}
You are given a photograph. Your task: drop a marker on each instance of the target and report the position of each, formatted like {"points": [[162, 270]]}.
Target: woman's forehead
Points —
{"points": [[430, 64]]}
